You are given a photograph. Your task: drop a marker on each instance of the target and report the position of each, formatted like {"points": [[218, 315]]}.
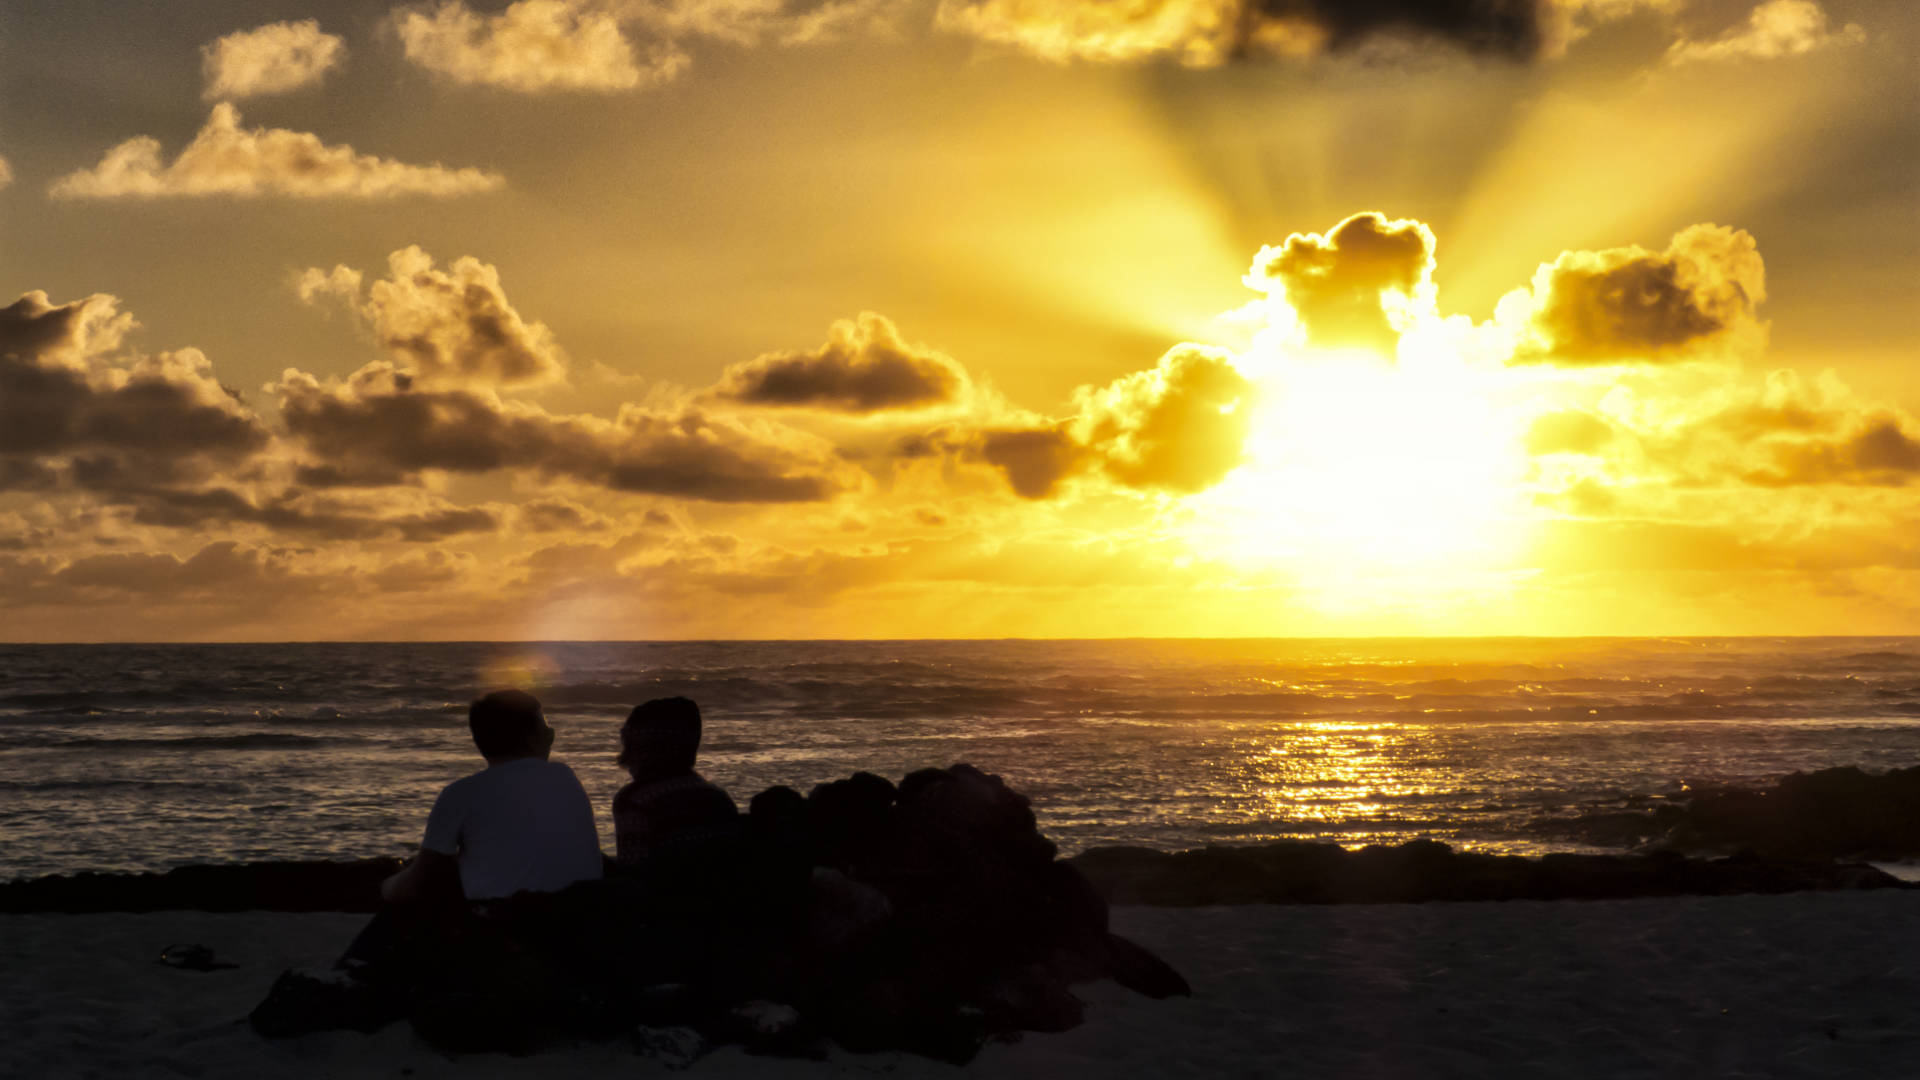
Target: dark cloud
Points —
{"points": [[1880, 452], [864, 367], [371, 421], [62, 402], [1630, 304], [1034, 460], [1508, 28], [1335, 282], [1206, 33]]}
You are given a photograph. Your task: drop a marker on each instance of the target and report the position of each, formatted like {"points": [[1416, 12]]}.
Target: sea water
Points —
{"points": [[136, 757]]}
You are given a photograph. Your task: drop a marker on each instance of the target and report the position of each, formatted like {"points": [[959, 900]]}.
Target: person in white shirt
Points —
{"points": [[522, 824]]}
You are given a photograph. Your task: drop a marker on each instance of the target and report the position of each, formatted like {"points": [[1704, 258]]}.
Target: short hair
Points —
{"points": [[664, 732], [505, 722]]}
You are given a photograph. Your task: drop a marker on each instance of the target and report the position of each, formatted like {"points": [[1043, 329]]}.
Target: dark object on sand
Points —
{"points": [[1299, 872], [193, 958], [1829, 814], [928, 917]]}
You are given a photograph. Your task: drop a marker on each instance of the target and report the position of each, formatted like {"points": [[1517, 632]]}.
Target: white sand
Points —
{"points": [[1810, 985]]}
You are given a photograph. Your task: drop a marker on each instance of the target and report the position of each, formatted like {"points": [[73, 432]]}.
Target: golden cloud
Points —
{"points": [[533, 46], [444, 327], [1773, 30], [227, 159], [270, 59], [1351, 286]]}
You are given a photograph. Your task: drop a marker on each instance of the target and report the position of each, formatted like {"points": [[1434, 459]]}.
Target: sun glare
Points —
{"points": [[1360, 465]]}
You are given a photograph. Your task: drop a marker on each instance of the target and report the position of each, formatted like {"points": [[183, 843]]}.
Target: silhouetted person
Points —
{"points": [[523, 824], [669, 812]]}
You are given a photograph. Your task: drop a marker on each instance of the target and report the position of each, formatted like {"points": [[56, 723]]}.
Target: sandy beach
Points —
{"points": [[1802, 985]]}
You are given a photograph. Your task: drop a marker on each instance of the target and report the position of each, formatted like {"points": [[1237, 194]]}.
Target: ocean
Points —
{"points": [[142, 757]]}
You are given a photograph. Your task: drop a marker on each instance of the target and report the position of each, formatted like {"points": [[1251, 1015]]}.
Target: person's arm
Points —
{"points": [[429, 875], [433, 873]]}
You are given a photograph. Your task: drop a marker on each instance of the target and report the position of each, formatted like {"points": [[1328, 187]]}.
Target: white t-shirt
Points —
{"points": [[521, 825]]}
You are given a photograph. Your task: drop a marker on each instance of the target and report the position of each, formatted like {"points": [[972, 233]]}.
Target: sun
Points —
{"points": [[1373, 470]]}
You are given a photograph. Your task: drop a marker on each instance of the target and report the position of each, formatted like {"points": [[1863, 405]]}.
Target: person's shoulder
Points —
{"points": [[465, 786]]}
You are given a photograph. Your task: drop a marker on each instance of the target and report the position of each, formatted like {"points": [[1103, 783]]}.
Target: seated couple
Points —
{"points": [[524, 824]]}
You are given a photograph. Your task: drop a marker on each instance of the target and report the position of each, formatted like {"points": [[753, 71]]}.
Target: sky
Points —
{"points": [[648, 319]]}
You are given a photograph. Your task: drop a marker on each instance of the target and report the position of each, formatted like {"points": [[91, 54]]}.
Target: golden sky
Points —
{"points": [[568, 319]]}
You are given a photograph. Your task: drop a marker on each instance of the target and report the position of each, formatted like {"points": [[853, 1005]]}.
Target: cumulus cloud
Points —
{"points": [[443, 327], [864, 367], [1207, 33], [1353, 285], [1179, 427], [6, 173], [65, 404], [534, 45], [1776, 29], [227, 159], [270, 59], [1631, 304], [378, 419]]}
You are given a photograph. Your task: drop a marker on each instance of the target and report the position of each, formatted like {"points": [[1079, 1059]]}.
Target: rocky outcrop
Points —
{"points": [[1831, 813], [260, 886], [1298, 872]]}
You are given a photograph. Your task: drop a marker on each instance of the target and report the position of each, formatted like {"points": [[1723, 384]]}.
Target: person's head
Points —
{"points": [[661, 738], [508, 724]]}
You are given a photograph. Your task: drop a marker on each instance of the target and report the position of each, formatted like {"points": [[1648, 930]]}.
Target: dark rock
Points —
{"points": [[1288, 871], [1831, 813]]}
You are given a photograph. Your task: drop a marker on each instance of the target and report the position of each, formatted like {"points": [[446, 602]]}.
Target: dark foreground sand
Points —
{"points": [[1802, 985]]}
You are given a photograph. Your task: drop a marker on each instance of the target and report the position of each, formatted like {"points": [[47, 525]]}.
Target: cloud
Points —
{"points": [[444, 327], [1630, 304], [1351, 286], [226, 159], [1573, 431], [64, 403], [1179, 427], [270, 59], [6, 173], [533, 46], [1789, 432], [786, 22], [1776, 29], [1207, 33], [415, 517], [377, 420], [864, 367]]}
